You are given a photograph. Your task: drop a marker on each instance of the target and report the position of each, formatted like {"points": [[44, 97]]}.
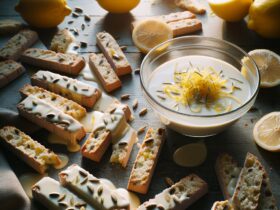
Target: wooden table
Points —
{"points": [[236, 140]]}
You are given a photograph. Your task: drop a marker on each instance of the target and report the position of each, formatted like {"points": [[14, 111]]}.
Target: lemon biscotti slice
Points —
{"points": [[52, 119], [9, 71], [78, 91], [65, 63], [53, 196], [146, 160], [92, 189], [179, 196], [13, 49], [32, 152], [113, 53], [61, 40], [67, 106]]}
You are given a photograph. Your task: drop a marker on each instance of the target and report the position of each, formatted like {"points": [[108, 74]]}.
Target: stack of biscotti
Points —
{"points": [[52, 119], [113, 53], [253, 177], [146, 160], [30, 151], [92, 189], [73, 89], [17, 44], [61, 40], [9, 71], [56, 197], [64, 63], [65, 105], [179, 196], [181, 23]]}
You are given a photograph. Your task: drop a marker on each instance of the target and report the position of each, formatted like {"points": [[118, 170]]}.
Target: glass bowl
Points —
{"points": [[193, 124]]}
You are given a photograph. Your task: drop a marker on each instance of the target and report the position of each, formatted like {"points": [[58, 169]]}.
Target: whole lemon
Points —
{"points": [[230, 10], [118, 6], [43, 13], [264, 18]]}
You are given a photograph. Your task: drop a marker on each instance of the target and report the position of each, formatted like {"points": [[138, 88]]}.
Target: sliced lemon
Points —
{"points": [[267, 132], [230, 10], [149, 33], [268, 63]]}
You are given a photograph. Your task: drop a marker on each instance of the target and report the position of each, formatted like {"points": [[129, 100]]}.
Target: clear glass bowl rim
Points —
{"points": [[213, 40]]}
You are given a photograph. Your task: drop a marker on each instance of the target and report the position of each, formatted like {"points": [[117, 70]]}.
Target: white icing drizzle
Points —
{"points": [[93, 189], [57, 196], [66, 83]]}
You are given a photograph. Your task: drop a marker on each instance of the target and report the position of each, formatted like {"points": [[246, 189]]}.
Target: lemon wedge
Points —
{"points": [[149, 33], [267, 132], [230, 10], [268, 63]]}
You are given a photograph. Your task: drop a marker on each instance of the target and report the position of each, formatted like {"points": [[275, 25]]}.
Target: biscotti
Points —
{"points": [[187, 26], [113, 53], [146, 160], [227, 172], [30, 151], [92, 189], [248, 188], [96, 144], [52, 119], [9, 71], [9, 26], [65, 105], [46, 59], [17, 44], [61, 40], [222, 205], [179, 196], [124, 107], [191, 5], [176, 16], [122, 148], [78, 91], [55, 197], [102, 69]]}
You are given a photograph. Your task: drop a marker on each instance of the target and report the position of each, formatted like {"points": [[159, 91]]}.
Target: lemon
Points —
{"points": [[149, 33], [264, 18], [43, 13], [230, 10], [268, 63], [120, 6], [267, 132]]}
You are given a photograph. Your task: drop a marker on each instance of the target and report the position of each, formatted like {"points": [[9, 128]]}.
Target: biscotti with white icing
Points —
{"points": [[65, 105], [70, 64], [96, 144], [222, 205], [179, 196], [61, 40], [15, 46], [92, 189], [56, 197], [104, 72], [52, 119], [80, 92], [124, 107], [248, 188], [30, 151], [9, 71], [122, 148], [227, 171], [113, 53], [146, 160]]}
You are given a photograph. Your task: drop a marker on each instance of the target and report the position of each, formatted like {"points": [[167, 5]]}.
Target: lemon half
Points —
{"points": [[268, 63], [149, 33], [267, 132]]}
